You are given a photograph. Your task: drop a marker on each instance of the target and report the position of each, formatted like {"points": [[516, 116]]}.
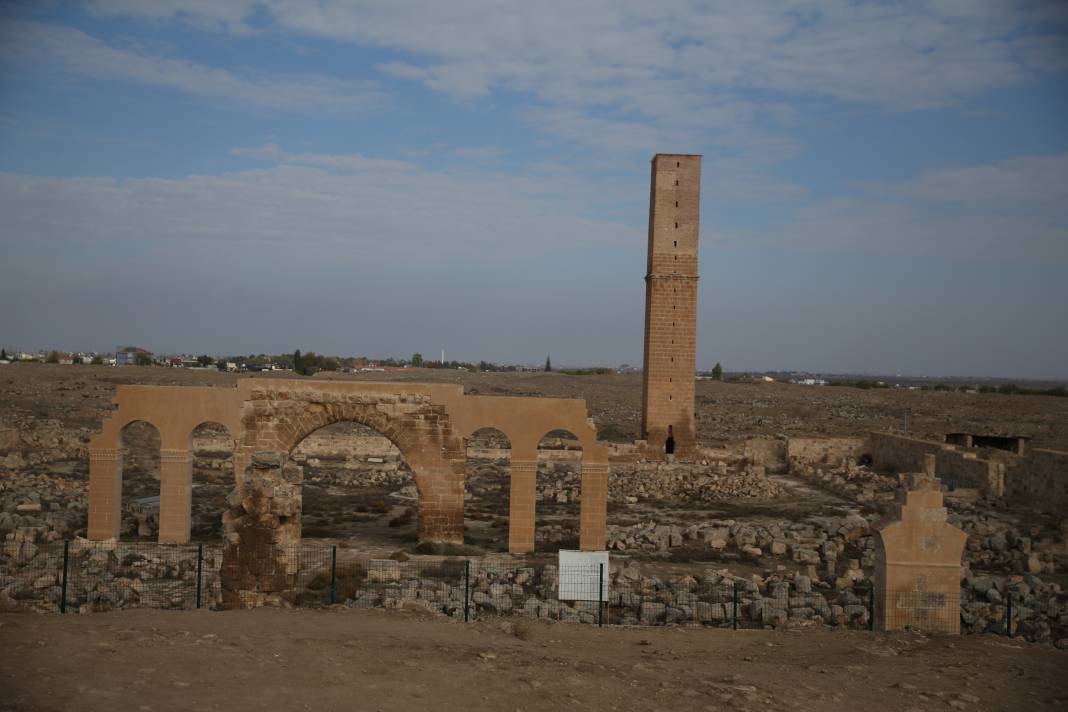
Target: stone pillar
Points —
{"points": [[242, 459], [175, 495], [105, 492], [918, 564], [521, 504], [262, 530], [593, 533], [441, 501]]}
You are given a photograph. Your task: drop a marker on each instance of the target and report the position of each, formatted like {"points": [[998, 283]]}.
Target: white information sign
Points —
{"points": [[580, 572]]}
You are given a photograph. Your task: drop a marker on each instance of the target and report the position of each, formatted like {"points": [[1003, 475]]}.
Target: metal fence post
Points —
{"points": [[333, 574], [600, 595], [63, 592], [467, 590], [1008, 614], [200, 573], [734, 607], [871, 608]]}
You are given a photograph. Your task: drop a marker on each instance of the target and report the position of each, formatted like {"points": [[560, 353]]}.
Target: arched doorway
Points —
{"points": [[558, 487], [357, 489], [487, 489], [211, 446], [139, 454]]}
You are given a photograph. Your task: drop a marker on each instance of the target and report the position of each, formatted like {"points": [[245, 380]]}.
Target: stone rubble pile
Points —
{"points": [[849, 480], [1039, 609], [55, 507], [104, 575], [633, 483], [31, 443], [823, 541]]}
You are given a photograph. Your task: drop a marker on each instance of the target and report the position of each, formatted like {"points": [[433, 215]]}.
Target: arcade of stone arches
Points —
{"points": [[428, 423]]}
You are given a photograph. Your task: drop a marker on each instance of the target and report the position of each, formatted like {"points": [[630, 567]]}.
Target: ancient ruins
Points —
{"points": [[671, 305], [427, 423], [772, 504]]}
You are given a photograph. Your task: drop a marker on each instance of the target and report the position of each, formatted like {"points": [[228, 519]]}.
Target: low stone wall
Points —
{"points": [[954, 467], [823, 451], [1040, 478]]}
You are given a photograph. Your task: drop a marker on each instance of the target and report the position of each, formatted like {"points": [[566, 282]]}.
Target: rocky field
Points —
{"points": [[673, 522]]}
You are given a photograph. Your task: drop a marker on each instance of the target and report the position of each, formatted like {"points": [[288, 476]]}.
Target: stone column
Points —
{"points": [[242, 459], [441, 501], [261, 559], [175, 495], [521, 503], [592, 531], [105, 492]]}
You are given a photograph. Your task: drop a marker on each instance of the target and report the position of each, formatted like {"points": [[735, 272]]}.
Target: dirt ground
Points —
{"points": [[403, 660], [80, 396]]}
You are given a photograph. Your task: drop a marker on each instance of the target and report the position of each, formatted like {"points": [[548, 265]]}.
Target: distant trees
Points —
{"points": [[717, 372], [144, 360], [53, 357], [548, 364], [3, 355], [205, 360], [298, 363], [417, 360], [97, 361]]}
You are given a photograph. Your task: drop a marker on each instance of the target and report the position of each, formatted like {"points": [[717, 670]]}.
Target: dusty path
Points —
{"points": [[380, 660]]}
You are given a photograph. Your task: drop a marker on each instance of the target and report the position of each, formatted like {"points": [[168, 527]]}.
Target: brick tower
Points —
{"points": [[671, 303]]}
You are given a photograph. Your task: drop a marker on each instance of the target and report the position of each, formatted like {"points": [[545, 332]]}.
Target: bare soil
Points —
{"points": [[80, 396], [345, 659]]}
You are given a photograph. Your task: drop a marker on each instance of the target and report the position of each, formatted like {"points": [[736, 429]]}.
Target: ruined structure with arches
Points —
{"points": [[429, 424]]}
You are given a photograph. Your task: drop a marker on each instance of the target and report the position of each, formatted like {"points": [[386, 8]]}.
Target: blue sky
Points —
{"points": [[885, 185]]}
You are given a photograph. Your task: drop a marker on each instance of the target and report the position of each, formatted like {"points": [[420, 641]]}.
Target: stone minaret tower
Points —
{"points": [[671, 303]]}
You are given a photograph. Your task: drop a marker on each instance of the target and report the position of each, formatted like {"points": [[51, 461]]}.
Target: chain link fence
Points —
{"points": [[85, 576]]}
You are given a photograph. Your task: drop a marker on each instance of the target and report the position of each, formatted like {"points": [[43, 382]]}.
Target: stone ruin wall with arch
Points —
{"points": [[429, 424]]}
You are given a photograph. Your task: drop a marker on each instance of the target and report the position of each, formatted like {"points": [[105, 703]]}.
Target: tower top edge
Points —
{"points": [[678, 155]]}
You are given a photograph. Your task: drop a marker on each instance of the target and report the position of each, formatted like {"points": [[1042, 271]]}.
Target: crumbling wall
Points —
{"points": [[1040, 478], [823, 451], [262, 527], [954, 467]]}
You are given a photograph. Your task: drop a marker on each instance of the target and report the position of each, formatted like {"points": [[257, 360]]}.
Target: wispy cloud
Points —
{"points": [[28, 46]]}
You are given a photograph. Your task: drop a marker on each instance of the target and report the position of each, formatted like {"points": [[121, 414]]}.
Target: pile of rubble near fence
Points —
{"points": [[105, 575]]}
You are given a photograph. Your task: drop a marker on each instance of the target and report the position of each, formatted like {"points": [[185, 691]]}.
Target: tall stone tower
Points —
{"points": [[671, 303]]}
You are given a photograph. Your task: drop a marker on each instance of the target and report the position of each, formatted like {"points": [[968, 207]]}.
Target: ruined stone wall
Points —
{"points": [[1040, 478], [955, 467], [823, 451], [669, 375]]}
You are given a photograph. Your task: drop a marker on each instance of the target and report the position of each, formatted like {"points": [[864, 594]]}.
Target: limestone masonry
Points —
{"points": [[671, 303]]}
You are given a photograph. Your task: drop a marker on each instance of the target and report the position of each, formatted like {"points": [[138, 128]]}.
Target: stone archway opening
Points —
{"points": [[357, 488], [487, 489], [139, 475], [558, 487], [211, 447]]}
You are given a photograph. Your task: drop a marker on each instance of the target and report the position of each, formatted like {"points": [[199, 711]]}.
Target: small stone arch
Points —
{"points": [[558, 487], [213, 475], [487, 487], [145, 505]]}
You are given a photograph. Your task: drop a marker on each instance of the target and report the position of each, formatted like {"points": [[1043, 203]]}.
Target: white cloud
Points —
{"points": [[1013, 210], [612, 52], [81, 54], [350, 162], [384, 214]]}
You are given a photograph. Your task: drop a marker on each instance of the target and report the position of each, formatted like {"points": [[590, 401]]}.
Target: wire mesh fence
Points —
{"points": [[85, 576]]}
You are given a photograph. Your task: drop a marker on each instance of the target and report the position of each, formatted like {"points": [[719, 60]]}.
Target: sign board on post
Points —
{"points": [[580, 572]]}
